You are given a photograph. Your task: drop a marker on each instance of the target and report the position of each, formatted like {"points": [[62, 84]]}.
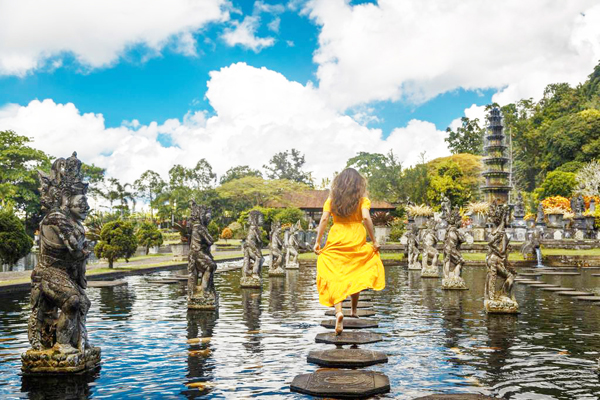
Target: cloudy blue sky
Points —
{"points": [[146, 84]]}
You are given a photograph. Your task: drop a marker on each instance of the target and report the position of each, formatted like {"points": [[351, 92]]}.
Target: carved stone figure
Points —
{"points": [[292, 248], [540, 216], [59, 304], [429, 252], [519, 211], [579, 206], [499, 300], [201, 265], [253, 259], [276, 268], [453, 259], [446, 207], [592, 206], [413, 248], [528, 249]]}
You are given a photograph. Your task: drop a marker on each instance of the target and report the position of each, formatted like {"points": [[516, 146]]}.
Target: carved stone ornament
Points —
{"points": [[59, 304], [201, 265], [253, 258], [292, 248], [276, 268], [453, 259], [429, 252], [500, 300]]}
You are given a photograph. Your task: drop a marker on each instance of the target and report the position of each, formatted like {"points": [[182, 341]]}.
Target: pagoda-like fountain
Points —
{"points": [[496, 173]]}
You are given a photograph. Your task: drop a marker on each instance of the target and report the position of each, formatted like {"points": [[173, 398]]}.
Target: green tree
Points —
{"points": [[94, 176], [383, 173], [148, 187], [213, 229], [148, 235], [289, 215], [14, 242], [202, 175], [447, 179], [252, 191], [468, 138], [288, 165], [557, 183], [238, 172], [117, 240]]}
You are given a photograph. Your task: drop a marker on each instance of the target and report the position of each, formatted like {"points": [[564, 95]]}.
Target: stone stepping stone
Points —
{"points": [[596, 275], [101, 284], [361, 304], [557, 289], [457, 396], [586, 298], [179, 277], [163, 281], [573, 293], [529, 274], [351, 323], [348, 338], [526, 281], [562, 273], [341, 384], [542, 285], [346, 358], [361, 313], [362, 298]]}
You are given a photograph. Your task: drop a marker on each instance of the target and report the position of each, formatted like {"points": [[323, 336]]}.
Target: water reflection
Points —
{"points": [[276, 293], [116, 302], [59, 387], [200, 328]]}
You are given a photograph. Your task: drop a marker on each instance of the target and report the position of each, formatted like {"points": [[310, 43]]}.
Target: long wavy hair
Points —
{"points": [[346, 191]]}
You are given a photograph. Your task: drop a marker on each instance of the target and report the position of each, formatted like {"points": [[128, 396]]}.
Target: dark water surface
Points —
{"points": [[437, 341]]}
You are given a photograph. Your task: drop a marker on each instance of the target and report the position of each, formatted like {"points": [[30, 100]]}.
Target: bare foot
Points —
{"points": [[339, 323], [354, 313]]}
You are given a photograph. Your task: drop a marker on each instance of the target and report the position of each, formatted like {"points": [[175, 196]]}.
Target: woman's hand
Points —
{"points": [[317, 248], [376, 245]]}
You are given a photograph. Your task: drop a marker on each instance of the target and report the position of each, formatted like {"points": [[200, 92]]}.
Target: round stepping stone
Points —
{"points": [[575, 293], [163, 281], [342, 384], [101, 284], [360, 312], [542, 285], [562, 273], [586, 298], [351, 323], [348, 338], [346, 358], [557, 289], [361, 304]]}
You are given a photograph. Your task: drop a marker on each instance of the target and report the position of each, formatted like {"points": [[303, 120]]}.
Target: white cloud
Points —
{"points": [[257, 112], [473, 112], [34, 33], [415, 50], [244, 34]]}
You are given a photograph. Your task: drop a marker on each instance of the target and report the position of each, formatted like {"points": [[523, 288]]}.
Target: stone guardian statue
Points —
{"points": [[429, 252], [292, 248], [276, 268], [453, 259], [201, 265], [412, 244], [500, 301], [253, 258], [59, 304]]}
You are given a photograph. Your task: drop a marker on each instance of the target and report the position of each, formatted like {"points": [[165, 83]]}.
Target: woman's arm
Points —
{"points": [[321, 231], [366, 216]]}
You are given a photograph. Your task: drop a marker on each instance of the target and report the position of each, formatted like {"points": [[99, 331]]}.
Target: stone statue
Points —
{"points": [[292, 248], [592, 208], [499, 301], [580, 207], [59, 304], [519, 211], [201, 265], [528, 249], [446, 207], [540, 215], [276, 250], [412, 245], [453, 259], [253, 258], [429, 252]]}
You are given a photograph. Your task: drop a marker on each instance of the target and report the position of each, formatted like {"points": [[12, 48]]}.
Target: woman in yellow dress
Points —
{"points": [[347, 264]]}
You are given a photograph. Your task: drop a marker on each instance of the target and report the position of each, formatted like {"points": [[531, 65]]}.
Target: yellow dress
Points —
{"points": [[348, 264]]}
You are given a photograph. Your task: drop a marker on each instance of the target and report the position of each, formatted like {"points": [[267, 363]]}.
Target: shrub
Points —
{"points": [[419, 211], [398, 228], [289, 215], [557, 183], [14, 242], [148, 236], [556, 201], [213, 229], [226, 234], [382, 218], [117, 240]]}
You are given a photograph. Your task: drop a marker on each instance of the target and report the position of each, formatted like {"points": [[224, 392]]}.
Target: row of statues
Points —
{"points": [[424, 242]]}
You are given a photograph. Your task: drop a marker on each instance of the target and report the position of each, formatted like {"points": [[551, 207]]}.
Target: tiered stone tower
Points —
{"points": [[496, 172]]}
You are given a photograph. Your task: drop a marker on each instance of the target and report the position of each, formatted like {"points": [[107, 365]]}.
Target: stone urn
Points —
{"points": [[421, 221], [180, 251], [478, 220], [555, 220], [382, 233]]}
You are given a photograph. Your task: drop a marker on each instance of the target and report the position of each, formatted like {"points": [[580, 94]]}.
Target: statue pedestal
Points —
{"points": [[250, 282], [454, 283], [430, 272], [276, 271], [479, 234], [502, 305], [200, 301], [415, 266], [56, 361], [292, 265]]}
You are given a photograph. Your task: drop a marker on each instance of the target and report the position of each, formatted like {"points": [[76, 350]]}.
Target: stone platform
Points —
{"points": [[574, 293], [557, 289], [55, 361], [360, 312], [346, 358], [342, 384], [361, 304], [351, 323], [348, 338]]}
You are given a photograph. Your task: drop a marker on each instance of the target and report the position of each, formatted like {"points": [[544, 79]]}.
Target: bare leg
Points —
{"points": [[339, 319], [354, 302]]}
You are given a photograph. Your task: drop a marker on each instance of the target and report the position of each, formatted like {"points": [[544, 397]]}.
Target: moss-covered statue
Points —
{"points": [[453, 259], [412, 244], [292, 247], [253, 258], [499, 300], [59, 304], [429, 252], [201, 265], [276, 268]]}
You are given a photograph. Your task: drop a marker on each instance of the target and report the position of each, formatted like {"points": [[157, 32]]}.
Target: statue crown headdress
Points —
{"points": [[65, 179]]}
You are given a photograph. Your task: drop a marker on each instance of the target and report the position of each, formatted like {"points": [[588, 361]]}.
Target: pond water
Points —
{"points": [[437, 341]]}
